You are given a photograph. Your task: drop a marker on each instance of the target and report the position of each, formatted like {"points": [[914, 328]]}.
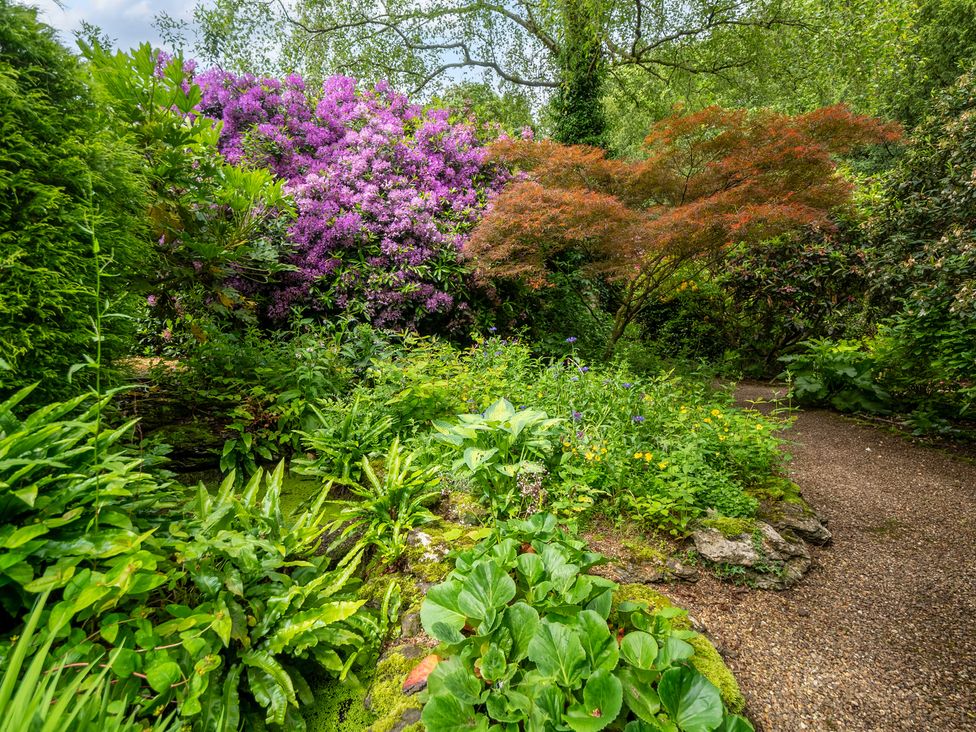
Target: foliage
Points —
{"points": [[543, 650], [63, 173], [58, 700], [386, 508], [500, 445], [839, 373], [385, 191], [710, 179], [923, 268], [219, 228]]}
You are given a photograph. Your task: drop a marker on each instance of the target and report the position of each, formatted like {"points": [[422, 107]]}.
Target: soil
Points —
{"points": [[880, 635]]}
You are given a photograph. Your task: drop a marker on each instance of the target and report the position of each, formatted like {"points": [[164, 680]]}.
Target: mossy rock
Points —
{"points": [[730, 527], [374, 705], [707, 659]]}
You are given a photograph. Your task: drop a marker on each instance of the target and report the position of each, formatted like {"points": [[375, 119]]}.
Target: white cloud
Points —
{"points": [[128, 23]]}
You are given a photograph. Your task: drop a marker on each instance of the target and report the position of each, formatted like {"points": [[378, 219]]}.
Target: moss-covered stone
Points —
{"points": [[338, 707], [710, 664], [386, 699], [730, 527], [707, 659]]}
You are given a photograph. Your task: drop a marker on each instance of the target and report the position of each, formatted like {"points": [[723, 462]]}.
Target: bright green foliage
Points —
{"points": [[386, 508], [538, 650], [498, 445], [68, 497], [33, 695], [219, 228], [63, 173], [839, 373]]}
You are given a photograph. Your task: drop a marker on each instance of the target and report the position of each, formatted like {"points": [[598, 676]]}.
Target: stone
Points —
{"points": [[681, 571], [737, 550], [410, 625], [416, 680], [803, 522], [408, 717]]}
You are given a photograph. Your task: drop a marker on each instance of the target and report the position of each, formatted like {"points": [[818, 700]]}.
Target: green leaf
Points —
{"points": [[598, 642], [487, 589], [602, 700], [444, 713], [500, 411], [673, 650], [558, 653], [493, 664], [735, 723], [521, 620], [639, 649], [162, 675], [475, 457], [639, 695], [690, 699], [454, 678], [440, 606]]}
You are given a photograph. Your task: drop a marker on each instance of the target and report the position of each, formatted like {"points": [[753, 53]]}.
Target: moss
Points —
{"points": [[709, 663], [462, 507], [386, 698], [432, 563], [706, 659], [642, 552], [338, 707], [730, 527], [776, 488]]}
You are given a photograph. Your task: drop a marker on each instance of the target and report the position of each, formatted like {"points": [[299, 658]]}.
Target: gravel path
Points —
{"points": [[881, 635]]}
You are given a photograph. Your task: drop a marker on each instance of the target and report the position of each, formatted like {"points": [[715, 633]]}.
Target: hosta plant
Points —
{"points": [[530, 640], [497, 446]]}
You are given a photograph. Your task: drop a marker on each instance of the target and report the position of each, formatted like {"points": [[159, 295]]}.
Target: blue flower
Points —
{"points": [[492, 329], [637, 419], [585, 369], [626, 385], [571, 339], [574, 378], [577, 416]]}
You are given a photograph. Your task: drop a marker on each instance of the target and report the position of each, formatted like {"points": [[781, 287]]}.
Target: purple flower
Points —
{"points": [[571, 339], [626, 385], [585, 369], [574, 378], [637, 419], [492, 329], [577, 416], [166, 335], [151, 300]]}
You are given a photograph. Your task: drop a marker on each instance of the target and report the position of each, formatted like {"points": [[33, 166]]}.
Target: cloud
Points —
{"points": [[126, 22]]}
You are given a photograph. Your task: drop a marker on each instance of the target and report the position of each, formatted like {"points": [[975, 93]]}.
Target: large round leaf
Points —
{"points": [[600, 645], [602, 700], [441, 608], [639, 695], [639, 649], [444, 713], [487, 589], [558, 653], [691, 700]]}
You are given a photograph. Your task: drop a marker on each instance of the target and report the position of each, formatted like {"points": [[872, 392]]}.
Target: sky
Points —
{"points": [[127, 22]]}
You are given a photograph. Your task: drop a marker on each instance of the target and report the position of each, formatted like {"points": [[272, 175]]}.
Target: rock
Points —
{"points": [[803, 522], [773, 561], [417, 679], [642, 574], [680, 571], [410, 625], [737, 550], [408, 717]]}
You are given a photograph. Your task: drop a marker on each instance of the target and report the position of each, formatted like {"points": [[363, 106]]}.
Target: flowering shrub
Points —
{"points": [[386, 192]]}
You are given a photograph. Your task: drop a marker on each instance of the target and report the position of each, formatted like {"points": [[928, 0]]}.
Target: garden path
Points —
{"points": [[880, 636]]}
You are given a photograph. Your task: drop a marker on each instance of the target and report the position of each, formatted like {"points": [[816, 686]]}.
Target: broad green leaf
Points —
{"points": [[639, 695], [735, 723], [558, 653], [441, 606], [521, 620], [444, 713], [162, 675], [530, 568], [454, 678], [690, 699], [500, 411], [602, 700], [599, 643], [639, 649], [673, 650], [487, 589], [475, 457], [493, 664]]}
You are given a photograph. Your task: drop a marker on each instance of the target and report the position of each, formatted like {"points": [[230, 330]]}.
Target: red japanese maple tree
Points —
{"points": [[710, 178]]}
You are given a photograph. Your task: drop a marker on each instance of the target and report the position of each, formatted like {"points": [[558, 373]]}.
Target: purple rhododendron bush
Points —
{"points": [[386, 192]]}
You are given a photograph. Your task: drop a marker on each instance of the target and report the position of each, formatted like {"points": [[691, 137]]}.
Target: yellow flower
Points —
{"points": [[638, 455], [721, 438], [603, 451], [663, 464], [716, 413], [759, 426], [598, 458], [708, 420], [589, 456], [565, 443]]}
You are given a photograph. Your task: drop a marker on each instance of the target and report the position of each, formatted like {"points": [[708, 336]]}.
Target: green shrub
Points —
{"points": [[64, 173]]}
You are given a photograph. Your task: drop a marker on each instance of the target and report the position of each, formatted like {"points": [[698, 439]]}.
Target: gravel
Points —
{"points": [[880, 635]]}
